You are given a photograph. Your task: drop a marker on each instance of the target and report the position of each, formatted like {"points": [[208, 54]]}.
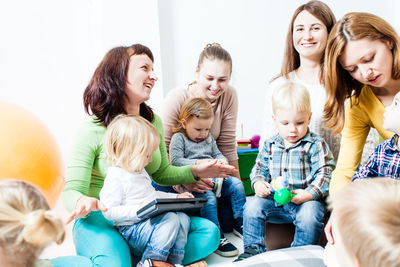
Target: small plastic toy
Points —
{"points": [[243, 144], [255, 141], [282, 195]]}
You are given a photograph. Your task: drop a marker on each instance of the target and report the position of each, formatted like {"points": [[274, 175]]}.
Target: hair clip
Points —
{"points": [[212, 45], [195, 112]]}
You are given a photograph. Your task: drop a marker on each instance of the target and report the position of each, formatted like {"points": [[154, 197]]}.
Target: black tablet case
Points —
{"points": [[161, 205]]}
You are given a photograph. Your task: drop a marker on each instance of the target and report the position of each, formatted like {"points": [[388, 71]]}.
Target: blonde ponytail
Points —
{"points": [[27, 225], [43, 228]]}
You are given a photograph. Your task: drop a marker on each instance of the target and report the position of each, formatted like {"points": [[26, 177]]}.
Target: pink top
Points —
{"points": [[225, 115]]}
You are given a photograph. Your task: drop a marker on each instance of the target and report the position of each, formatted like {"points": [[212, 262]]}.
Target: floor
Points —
{"points": [[67, 247]]}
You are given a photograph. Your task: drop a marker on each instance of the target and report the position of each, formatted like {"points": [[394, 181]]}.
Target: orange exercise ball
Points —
{"points": [[29, 152]]}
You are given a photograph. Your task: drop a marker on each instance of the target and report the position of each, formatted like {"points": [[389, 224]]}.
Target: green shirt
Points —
{"points": [[87, 169]]}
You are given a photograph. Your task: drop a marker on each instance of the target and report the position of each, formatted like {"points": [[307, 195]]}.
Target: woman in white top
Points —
{"points": [[303, 63]]}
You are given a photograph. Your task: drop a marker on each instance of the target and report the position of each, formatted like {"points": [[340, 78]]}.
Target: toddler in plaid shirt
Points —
{"points": [[304, 159], [385, 160]]}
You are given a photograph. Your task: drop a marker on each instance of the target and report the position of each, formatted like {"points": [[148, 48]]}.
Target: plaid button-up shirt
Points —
{"points": [[308, 164], [383, 162]]}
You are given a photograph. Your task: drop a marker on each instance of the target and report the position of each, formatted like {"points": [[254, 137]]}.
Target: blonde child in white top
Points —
{"points": [[129, 143]]}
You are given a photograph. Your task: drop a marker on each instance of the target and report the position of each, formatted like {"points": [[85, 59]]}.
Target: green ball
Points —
{"points": [[283, 196]]}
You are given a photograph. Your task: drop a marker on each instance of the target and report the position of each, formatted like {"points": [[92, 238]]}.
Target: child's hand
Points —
{"points": [[84, 206], [262, 188], [200, 161], [179, 188], [185, 195], [301, 196]]}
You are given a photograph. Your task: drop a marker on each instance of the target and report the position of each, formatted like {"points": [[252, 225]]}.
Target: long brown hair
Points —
{"points": [[338, 82], [291, 59], [105, 95]]}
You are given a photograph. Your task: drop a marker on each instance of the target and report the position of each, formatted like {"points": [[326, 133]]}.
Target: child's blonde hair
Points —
{"points": [[27, 225], [368, 219], [194, 107], [129, 141], [291, 95]]}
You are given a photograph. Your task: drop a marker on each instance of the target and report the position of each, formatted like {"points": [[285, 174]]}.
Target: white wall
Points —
{"points": [[254, 33], [49, 50]]}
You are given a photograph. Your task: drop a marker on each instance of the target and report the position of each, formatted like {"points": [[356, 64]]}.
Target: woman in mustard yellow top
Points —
{"points": [[362, 62]]}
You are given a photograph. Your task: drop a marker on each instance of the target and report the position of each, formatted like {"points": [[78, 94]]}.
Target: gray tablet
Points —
{"points": [[161, 205]]}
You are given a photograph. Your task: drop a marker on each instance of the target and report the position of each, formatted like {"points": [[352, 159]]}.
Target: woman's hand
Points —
{"points": [[328, 230], [185, 195], [212, 169], [84, 206], [262, 188], [200, 186]]}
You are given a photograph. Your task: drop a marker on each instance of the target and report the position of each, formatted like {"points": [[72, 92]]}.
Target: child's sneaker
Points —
{"points": [[226, 248], [238, 227], [218, 186], [249, 251], [238, 231]]}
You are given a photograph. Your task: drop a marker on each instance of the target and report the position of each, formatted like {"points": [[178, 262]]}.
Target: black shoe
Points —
{"points": [[249, 251], [238, 227], [226, 248]]}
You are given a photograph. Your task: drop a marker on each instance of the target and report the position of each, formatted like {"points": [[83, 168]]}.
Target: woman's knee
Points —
{"points": [[95, 238]]}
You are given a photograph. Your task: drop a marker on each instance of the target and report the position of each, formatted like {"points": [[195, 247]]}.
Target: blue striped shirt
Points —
{"points": [[307, 165], [383, 162]]}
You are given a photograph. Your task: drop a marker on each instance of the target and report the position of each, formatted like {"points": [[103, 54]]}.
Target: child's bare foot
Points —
{"points": [[198, 264], [154, 263]]}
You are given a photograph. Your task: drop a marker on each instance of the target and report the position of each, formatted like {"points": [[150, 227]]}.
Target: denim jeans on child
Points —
{"points": [[232, 187], [161, 238], [308, 219]]}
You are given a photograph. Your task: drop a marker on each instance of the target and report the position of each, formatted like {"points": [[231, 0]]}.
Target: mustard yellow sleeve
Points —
{"points": [[354, 134], [367, 112]]}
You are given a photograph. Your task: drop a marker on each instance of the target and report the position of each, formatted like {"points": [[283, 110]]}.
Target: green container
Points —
{"points": [[246, 163]]}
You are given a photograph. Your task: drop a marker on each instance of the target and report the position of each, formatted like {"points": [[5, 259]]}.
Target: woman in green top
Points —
{"points": [[120, 85]]}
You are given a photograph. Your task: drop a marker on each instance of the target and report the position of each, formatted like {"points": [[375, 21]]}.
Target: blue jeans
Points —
{"points": [[97, 240], [308, 219], [233, 188], [161, 238]]}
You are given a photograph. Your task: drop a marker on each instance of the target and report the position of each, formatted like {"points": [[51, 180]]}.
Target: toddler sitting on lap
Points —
{"points": [[160, 241], [193, 143]]}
